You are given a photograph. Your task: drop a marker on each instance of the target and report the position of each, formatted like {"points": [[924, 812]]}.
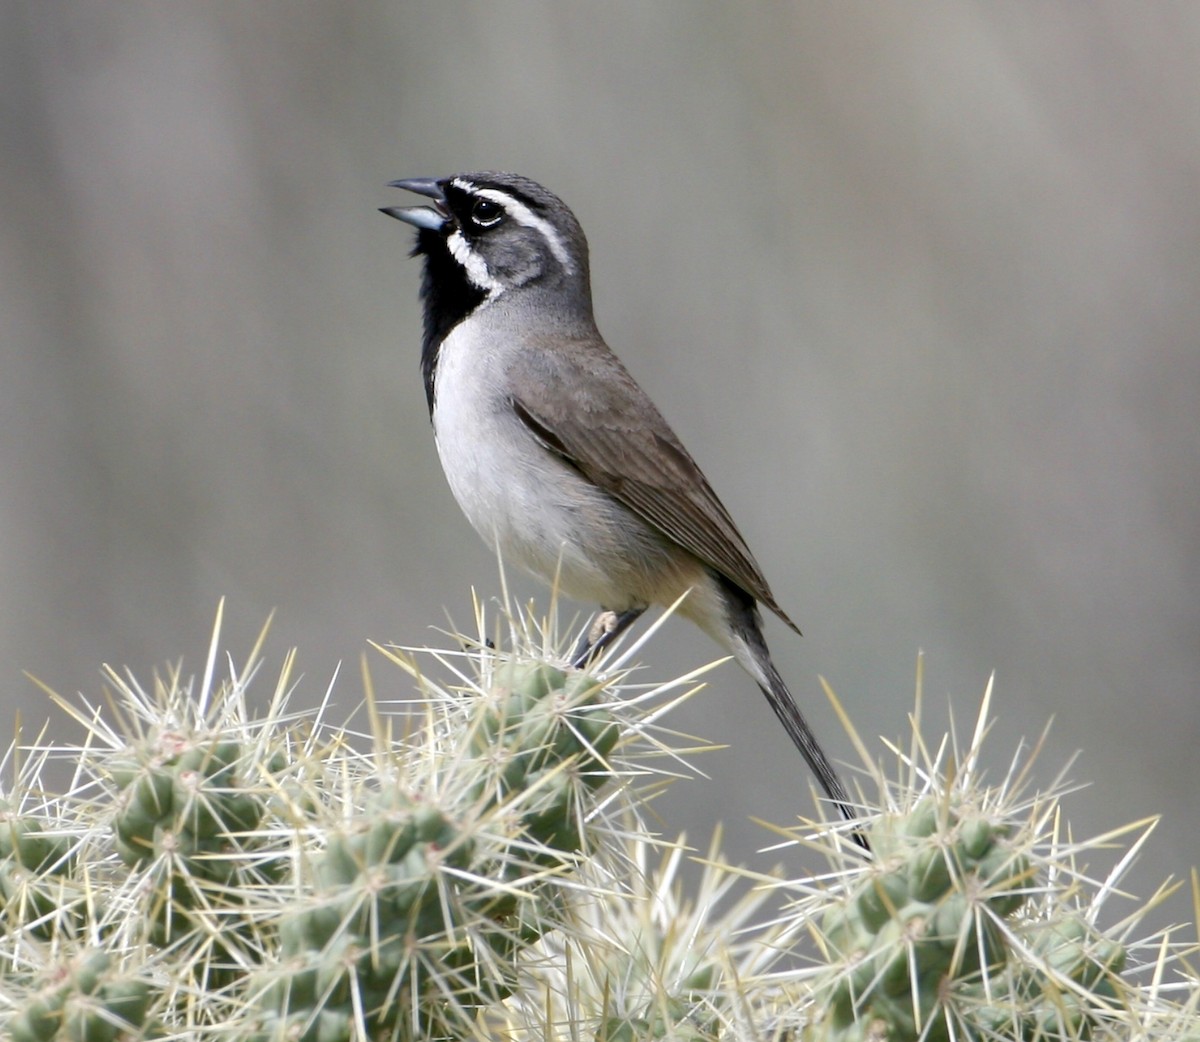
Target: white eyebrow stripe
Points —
{"points": [[473, 264], [521, 213]]}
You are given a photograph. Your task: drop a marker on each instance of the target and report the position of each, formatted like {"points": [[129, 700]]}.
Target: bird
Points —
{"points": [[555, 454]]}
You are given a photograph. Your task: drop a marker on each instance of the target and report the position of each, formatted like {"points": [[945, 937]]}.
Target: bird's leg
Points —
{"points": [[605, 628]]}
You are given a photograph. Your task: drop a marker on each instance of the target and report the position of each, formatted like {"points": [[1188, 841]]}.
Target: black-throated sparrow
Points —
{"points": [[557, 457]]}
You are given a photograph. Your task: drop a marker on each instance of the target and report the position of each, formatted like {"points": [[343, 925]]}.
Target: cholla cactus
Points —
{"points": [[475, 865], [974, 920]]}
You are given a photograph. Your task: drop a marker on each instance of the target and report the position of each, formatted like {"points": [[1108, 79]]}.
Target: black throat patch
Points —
{"points": [[449, 298]]}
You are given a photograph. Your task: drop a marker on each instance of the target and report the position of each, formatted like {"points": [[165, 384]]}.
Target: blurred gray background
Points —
{"points": [[917, 284]]}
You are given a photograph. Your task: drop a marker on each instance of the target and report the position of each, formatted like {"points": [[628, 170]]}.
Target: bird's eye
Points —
{"points": [[486, 212]]}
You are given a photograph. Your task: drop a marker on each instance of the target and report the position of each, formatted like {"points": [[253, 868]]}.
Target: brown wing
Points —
{"points": [[608, 429]]}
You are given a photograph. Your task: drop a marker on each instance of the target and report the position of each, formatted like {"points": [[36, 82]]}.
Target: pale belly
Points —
{"points": [[539, 515], [538, 512]]}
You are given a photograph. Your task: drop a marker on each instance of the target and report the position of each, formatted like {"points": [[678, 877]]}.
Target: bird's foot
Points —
{"points": [[607, 626]]}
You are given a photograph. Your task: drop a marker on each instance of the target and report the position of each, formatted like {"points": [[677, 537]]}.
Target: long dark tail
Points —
{"points": [[750, 649]]}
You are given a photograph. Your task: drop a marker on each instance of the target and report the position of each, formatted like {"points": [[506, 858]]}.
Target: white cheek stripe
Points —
{"points": [[521, 213], [473, 264]]}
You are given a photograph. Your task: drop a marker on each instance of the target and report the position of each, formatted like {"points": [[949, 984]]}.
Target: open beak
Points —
{"points": [[433, 217]]}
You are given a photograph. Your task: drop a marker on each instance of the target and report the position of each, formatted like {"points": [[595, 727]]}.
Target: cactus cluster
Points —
{"points": [[416, 911], [186, 814], [35, 863], [288, 886], [971, 922], [922, 931], [178, 786], [86, 1001], [535, 740], [1071, 986], [379, 892], [653, 962], [220, 873]]}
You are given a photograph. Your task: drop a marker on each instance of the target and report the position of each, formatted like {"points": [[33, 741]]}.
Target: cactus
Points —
{"points": [[86, 1000], [972, 923], [226, 868], [404, 931]]}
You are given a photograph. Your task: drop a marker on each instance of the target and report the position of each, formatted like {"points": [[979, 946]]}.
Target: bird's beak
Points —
{"points": [[433, 217]]}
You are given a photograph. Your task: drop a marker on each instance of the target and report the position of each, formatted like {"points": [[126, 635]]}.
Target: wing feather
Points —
{"points": [[616, 438]]}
